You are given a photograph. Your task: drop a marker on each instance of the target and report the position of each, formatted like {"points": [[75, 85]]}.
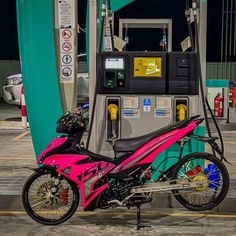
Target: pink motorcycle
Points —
{"points": [[68, 172]]}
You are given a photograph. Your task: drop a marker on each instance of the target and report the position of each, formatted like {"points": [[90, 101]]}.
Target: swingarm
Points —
{"points": [[169, 186]]}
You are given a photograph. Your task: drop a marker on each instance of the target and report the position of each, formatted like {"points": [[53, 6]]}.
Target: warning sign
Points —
{"points": [[65, 22], [66, 34], [66, 46], [67, 55], [67, 72], [66, 59]]}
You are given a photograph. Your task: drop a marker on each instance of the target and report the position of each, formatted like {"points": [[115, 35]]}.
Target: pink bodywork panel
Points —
{"points": [[54, 144], [85, 175], [149, 152]]}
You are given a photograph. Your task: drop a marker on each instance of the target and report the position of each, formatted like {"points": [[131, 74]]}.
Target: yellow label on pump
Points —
{"points": [[147, 67]]}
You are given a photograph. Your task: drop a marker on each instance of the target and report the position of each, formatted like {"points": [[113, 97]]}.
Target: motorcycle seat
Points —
{"points": [[132, 144], [97, 158]]}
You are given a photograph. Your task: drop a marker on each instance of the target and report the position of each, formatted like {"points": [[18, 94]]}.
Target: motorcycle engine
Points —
{"points": [[117, 190]]}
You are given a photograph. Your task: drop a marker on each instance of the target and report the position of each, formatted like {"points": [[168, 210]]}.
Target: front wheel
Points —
{"points": [[49, 199], [212, 175]]}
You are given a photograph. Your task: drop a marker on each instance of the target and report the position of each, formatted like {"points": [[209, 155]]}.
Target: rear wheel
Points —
{"points": [[48, 199], [206, 169]]}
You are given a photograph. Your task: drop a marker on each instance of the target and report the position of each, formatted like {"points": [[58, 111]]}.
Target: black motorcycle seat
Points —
{"points": [[97, 158], [132, 144]]}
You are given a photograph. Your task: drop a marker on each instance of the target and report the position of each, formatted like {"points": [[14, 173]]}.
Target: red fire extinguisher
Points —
{"points": [[218, 105]]}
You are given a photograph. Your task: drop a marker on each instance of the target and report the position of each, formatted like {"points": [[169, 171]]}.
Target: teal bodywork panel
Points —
{"points": [[39, 69], [171, 156]]}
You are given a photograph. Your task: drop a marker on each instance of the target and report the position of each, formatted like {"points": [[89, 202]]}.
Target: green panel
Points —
{"points": [[116, 5], [219, 83], [169, 157], [39, 69]]}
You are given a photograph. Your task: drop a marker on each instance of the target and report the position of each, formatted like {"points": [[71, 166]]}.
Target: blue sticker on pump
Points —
{"points": [[147, 105], [147, 102]]}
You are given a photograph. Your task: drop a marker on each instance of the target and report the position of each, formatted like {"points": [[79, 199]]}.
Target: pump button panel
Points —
{"points": [[114, 79], [183, 67]]}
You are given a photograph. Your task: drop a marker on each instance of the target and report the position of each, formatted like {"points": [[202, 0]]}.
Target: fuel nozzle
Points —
{"points": [[113, 110], [181, 108]]}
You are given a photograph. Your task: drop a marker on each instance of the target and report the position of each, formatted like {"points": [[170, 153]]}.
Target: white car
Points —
{"points": [[13, 84], [12, 89]]}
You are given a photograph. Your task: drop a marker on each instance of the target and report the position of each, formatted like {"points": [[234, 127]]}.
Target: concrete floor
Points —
{"points": [[17, 156], [9, 112], [119, 222]]}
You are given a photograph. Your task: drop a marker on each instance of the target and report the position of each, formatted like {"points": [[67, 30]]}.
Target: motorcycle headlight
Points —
{"points": [[13, 81]]}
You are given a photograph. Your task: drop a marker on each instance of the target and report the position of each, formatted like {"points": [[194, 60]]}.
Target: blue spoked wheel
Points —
{"points": [[211, 177]]}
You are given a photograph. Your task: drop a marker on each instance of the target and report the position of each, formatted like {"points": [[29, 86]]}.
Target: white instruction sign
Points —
{"points": [[162, 113], [119, 43], [131, 113], [66, 14], [131, 102], [163, 102], [186, 44]]}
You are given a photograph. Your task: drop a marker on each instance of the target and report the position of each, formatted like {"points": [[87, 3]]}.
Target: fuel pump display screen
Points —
{"points": [[148, 67], [114, 63]]}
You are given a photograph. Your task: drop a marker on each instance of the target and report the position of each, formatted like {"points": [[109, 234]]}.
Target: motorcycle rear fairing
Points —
{"points": [[150, 151]]}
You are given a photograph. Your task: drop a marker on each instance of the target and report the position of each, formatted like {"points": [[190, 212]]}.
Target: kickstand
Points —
{"points": [[139, 225]]}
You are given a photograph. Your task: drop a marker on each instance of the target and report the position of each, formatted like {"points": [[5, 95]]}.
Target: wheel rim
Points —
{"points": [[45, 202], [202, 171]]}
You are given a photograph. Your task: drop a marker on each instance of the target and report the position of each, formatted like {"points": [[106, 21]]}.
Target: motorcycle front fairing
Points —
{"points": [[80, 169], [88, 175]]}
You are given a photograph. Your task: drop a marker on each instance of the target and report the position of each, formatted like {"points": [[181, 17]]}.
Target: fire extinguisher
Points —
{"points": [[218, 105]]}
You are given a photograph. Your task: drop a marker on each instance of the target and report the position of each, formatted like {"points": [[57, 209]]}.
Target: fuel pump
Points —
{"points": [[140, 92]]}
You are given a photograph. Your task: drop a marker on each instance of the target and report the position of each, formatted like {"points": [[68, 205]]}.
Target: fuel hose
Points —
{"points": [[205, 103]]}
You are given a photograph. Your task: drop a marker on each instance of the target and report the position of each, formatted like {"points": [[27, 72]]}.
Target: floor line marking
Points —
{"points": [[233, 216], [21, 136]]}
